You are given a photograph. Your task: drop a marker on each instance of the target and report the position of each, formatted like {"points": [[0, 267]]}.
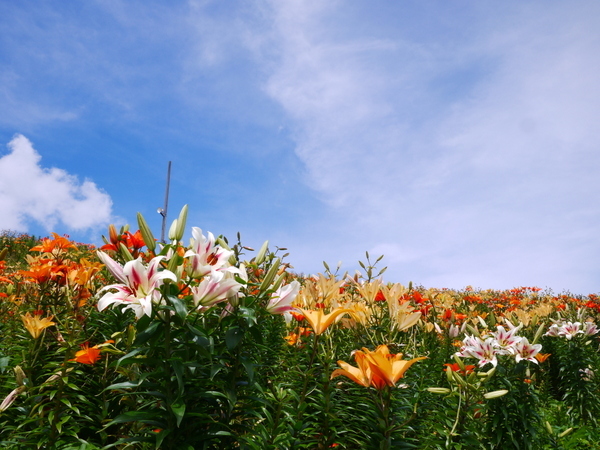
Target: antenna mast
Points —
{"points": [[163, 211]]}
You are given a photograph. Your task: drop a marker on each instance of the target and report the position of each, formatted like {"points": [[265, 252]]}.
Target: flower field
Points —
{"points": [[214, 345]]}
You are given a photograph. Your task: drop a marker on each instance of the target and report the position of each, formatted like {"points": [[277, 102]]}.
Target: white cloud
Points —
{"points": [[30, 192], [475, 156]]}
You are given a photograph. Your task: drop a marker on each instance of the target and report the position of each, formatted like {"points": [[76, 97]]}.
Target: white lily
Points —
{"points": [[139, 286], [525, 350], [281, 300], [213, 289], [206, 256]]}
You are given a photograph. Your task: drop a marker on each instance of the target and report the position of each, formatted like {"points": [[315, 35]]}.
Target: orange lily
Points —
{"points": [[541, 357], [35, 325], [54, 246], [361, 375], [319, 321], [89, 355], [378, 369], [388, 367]]}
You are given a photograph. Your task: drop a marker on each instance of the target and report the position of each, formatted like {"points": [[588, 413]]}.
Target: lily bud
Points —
{"points": [[458, 378], [564, 433], [20, 376], [146, 233], [549, 428], [539, 332], [482, 322], [260, 256], [10, 398], [112, 234], [270, 275], [459, 361], [495, 394], [278, 281], [172, 230], [3, 253], [436, 390], [178, 226], [125, 253]]}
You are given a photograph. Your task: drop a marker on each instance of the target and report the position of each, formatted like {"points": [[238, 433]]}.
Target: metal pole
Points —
{"points": [[163, 211]]}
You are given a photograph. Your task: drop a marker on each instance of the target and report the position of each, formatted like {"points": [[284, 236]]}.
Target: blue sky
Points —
{"points": [[458, 139]]}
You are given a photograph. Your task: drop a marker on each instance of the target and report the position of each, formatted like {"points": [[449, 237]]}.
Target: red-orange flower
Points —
{"points": [[456, 368], [380, 297], [54, 246], [89, 355]]}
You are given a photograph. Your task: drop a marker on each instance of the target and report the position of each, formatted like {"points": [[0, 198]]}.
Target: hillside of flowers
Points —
{"points": [[211, 344]]}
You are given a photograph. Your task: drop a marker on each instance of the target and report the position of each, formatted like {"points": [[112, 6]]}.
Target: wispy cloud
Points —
{"points": [[31, 193], [464, 160]]}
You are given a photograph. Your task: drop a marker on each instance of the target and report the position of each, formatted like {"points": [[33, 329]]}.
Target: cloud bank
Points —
{"points": [[31, 193]]}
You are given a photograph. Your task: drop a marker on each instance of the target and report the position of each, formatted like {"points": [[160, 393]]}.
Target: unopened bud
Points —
{"points": [[146, 233], [20, 376], [564, 433], [125, 253], [260, 256], [173, 230], [266, 283], [10, 398], [179, 223], [112, 234], [495, 394], [436, 390]]}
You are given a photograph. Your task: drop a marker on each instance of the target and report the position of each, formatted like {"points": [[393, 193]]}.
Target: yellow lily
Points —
{"points": [[319, 321], [35, 325]]}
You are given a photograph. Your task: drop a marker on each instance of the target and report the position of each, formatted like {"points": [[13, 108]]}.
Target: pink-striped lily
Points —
{"points": [[525, 350], [505, 341], [484, 351], [214, 288], [139, 286], [281, 300], [205, 256]]}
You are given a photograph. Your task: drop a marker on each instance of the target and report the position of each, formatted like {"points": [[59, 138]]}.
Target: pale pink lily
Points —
{"points": [[590, 329], [505, 341], [281, 300], [139, 286], [484, 351], [206, 256], [525, 350], [570, 329], [553, 331], [214, 288]]}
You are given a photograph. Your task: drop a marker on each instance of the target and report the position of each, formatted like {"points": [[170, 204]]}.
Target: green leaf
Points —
{"points": [[249, 366], [249, 314], [131, 354], [4, 363], [178, 408], [146, 417], [233, 337], [124, 385], [177, 365], [179, 305], [145, 335]]}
